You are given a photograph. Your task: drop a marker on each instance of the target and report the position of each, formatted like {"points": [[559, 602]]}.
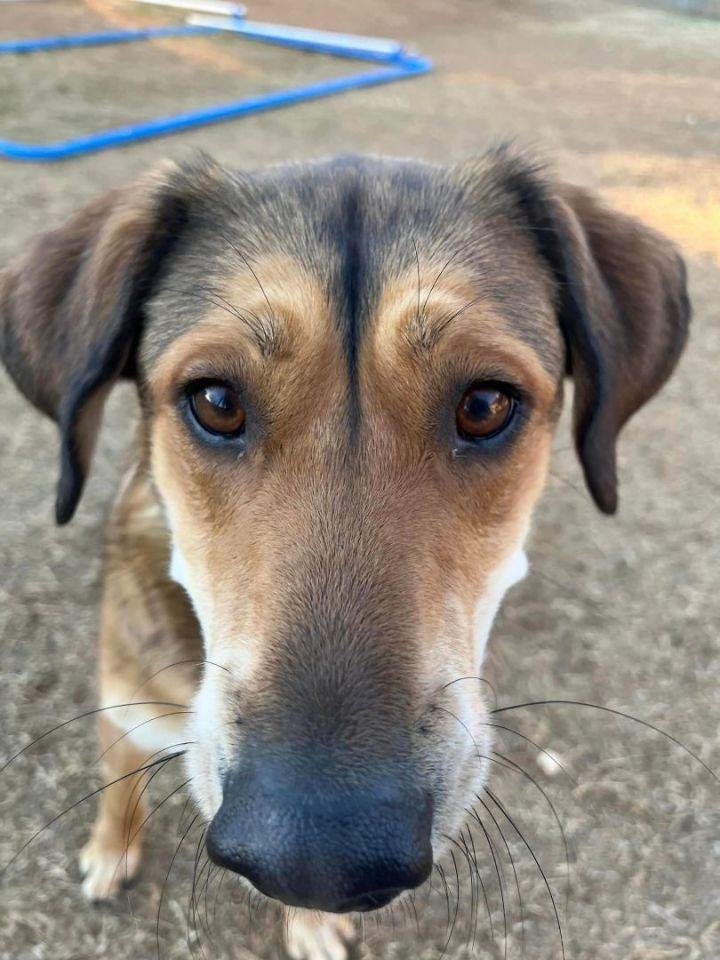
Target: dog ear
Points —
{"points": [[622, 306], [71, 312]]}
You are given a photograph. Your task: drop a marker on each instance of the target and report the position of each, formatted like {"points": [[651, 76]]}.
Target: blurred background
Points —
{"points": [[625, 612]]}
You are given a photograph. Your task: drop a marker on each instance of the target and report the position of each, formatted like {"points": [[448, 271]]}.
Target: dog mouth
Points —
{"points": [[369, 902], [365, 903], [343, 894]]}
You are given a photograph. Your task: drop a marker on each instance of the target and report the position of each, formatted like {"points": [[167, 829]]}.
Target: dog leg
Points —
{"points": [[112, 855], [318, 936], [149, 657]]}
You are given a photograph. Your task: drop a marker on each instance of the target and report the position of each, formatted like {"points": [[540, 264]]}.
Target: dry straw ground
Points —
{"points": [[623, 612]]}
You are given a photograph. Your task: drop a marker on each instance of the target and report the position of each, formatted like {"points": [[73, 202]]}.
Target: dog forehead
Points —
{"points": [[342, 233]]}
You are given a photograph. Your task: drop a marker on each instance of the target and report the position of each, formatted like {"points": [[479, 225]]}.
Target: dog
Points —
{"points": [[349, 374]]}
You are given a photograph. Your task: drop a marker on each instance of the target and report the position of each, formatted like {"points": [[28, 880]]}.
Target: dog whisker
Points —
{"points": [[142, 723], [269, 328], [88, 796], [156, 753], [474, 929], [469, 845], [422, 337], [441, 874], [200, 913], [532, 853], [158, 806], [222, 875], [616, 713], [599, 608], [512, 765], [263, 333], [417, 263], [167, 878], [250, 268], [498, 827], [212, 873], [191, 914], [457, 902], [501, 887], [83, 716], [183, 812], [568, 483], [465, 728], [451, 683], [440, 327], [475, 882], [129, 839], [188, 661], [540, 749], [462, 249], [411, 901], [507, 763], [129, 819]]}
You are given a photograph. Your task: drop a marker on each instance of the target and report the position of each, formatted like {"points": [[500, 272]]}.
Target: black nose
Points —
{"points": [[321, 841]]}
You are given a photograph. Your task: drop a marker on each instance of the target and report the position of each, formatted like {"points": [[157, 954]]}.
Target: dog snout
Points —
{"points": [[322, 840]]}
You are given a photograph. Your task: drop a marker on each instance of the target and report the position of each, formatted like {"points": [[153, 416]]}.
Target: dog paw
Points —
{"points": [[106, 870], [313, 936]]}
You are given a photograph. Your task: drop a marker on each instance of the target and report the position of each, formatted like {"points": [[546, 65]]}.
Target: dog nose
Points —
{"points": [[323, 842]]}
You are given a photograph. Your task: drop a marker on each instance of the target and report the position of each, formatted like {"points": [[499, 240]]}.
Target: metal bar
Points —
{"points": [[221, 7], [376, 49], [405, 67], [100, 39]]}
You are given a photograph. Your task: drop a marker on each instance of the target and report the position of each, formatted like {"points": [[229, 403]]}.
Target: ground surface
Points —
{"points": [[622, 612]]}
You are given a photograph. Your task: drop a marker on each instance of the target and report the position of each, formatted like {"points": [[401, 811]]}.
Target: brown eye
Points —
{"points": [[217, 408], [485, 410]]}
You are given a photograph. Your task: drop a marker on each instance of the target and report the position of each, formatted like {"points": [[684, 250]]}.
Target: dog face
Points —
{"points": [[349, 373]]}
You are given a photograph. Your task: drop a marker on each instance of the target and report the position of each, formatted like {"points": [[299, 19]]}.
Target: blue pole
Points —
{"points": [[99, 39], [408, 66]]}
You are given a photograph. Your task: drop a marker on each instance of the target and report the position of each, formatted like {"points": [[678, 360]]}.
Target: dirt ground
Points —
{"points": [[621, 612]]}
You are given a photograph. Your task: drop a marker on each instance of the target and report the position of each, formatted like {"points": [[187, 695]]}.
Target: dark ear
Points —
{"points": [[623, 309], [71, 312]]}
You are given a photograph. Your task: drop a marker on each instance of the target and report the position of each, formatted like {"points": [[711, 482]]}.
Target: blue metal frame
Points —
{"points": [[396, 64], [100, 39]]}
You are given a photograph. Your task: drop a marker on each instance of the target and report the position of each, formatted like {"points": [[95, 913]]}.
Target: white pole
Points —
{"points": [[319, 40], [221, 7]]}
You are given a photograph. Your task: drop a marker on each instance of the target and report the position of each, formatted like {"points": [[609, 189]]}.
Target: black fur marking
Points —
{"points": [[352, 270]]}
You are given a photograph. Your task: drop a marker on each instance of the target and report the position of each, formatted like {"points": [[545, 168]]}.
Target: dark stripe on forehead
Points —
{"points": [[352, 271], [349, 253]]}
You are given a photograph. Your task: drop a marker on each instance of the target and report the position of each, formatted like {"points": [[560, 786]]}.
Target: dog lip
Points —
{"points": [[365, 903], [368, 902]]}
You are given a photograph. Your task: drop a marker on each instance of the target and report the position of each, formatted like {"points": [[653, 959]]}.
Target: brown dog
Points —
{"points": [[349, 375]]}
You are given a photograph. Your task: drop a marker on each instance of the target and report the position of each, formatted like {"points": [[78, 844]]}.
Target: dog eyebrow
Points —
{"points": [[423, 332], [264, 330]]}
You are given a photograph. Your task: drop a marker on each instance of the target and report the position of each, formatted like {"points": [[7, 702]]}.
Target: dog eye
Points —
{"points": [[485, 410], [217, 408]]}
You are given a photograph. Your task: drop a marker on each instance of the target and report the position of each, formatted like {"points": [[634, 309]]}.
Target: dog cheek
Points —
{"points": [[183, 573], [466, 763], [512, 571], [205, 756], [469, 743]]}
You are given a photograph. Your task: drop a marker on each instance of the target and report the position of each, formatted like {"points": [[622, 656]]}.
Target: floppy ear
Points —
{"points": [[623, 310], [71, 312]]}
